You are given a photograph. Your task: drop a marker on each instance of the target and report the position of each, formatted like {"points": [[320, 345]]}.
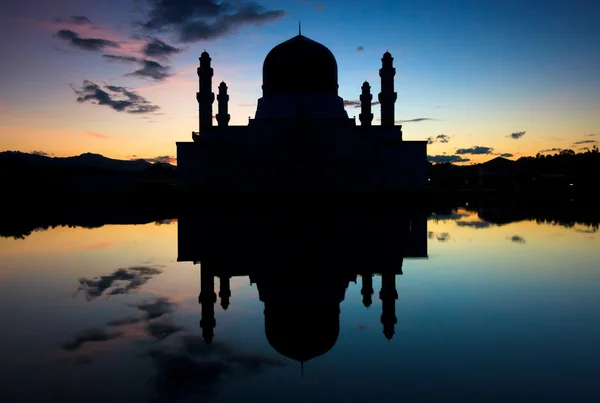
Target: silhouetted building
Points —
{"points": [[301, 138], [498, 173], [302, 266]]}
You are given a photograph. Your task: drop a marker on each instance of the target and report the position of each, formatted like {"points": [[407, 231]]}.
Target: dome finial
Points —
{"points": [[299, 27]]}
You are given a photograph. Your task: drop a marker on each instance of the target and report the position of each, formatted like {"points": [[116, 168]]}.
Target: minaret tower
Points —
{"points": [[387, 96], [366, 98], [223, 99], [205, 96]]}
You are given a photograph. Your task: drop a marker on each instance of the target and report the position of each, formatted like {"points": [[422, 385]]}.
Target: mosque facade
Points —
{"points": [[301, 138]]}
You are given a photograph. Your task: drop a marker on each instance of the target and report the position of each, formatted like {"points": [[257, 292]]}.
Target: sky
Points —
{"points": [[477, 79]]}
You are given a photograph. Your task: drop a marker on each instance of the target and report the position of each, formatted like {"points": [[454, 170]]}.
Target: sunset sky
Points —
{"points": [[476, 78]]}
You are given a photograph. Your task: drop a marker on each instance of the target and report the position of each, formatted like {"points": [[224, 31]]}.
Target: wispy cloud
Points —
{"points": [[475, 150], [507, 155], [360, 48], [120, 59], [585, 142], [440, 138], [516, 135], [355, 103], [120, 99], [157, 48], [74, 20], [590, 135], [153, 70], [91, 44], [416, 120], [166, 159]]}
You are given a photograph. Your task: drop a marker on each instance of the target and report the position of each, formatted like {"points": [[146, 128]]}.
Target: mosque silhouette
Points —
{"points": [[301, 265], [301, 138]]}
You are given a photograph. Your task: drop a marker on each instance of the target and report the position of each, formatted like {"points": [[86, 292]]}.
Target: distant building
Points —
{"points": [[301, 138], [498, 173]]}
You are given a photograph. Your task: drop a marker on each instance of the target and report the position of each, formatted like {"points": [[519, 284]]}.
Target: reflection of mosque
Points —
{"points": [[302, 266]]}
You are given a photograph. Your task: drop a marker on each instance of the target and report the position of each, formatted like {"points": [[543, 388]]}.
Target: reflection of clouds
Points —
{"points": [[157, 308], [448, 217], [474, 224], [88, 247], [121, 281], [192, 366], [90, 335], [517, 239], [166, 222], [439, 236]]}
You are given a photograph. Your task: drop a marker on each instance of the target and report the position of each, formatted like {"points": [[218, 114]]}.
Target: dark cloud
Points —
{"points": [[162, 330], [507, 155], [440, 138], [414, 120], [153, 70], [516, 135], [156, 309], [40, 153], [74, 20], [585, 142], [475, 150], [122, 59], [195, 20], [90, 335], [439, 236], [157, 48], [517, 239], [121, 281], [355, 103], [551, 150], [447, 217], [474, 224], [438, 159], [120, 99], [590, 135], [360, 48], [92, 44]]}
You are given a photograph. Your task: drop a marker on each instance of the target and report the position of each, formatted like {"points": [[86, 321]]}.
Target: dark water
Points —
{"points": [[460, 306]]}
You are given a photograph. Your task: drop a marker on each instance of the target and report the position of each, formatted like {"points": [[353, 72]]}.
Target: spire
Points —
{"points": [[387, 96], [299, 27], [366, 98]]}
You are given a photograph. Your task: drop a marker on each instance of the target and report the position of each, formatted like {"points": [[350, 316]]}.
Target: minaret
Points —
{"points": [[207, 299], [388, 296], [366, 98], [387, 96], [367, 289], [223, 99], [205, 96], [224, 291]]}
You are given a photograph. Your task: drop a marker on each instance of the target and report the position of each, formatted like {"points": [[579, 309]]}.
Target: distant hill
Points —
{"points": [[86, 161]]}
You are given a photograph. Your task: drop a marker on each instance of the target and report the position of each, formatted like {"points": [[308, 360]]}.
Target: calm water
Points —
{"points": [[412, 307]]}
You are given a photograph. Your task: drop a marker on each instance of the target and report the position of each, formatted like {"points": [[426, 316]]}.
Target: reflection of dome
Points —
{"points": [[300, 65], [302, 334]]}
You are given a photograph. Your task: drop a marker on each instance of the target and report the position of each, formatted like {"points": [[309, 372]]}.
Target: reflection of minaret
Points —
{"points": [[224, 291], [367, 289], [207, 301], [388, 296]]}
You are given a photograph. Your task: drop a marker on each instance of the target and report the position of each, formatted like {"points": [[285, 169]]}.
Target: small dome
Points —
{"points": [[300, 65]]}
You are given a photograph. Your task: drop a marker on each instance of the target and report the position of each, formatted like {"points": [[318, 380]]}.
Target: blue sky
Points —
{"points": [[478, 70]]}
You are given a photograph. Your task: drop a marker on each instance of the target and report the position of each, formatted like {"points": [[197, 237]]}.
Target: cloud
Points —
{"points": [[440, 138], [507, 155], [121, 59], [74, 20], [447, 217], [360, 48], [156, 309], [92, 44], [96, 135], [516, 135], [40, 153], [355, 103], [195, 20], [153, 70], [590, 135], [90, 335], [165, 159], [439, 159], [475, 150], [157, 48], [439, 236], [120, 99], [585, 142], [121, 281], [414, 120], [551, 150], [517, 239]]}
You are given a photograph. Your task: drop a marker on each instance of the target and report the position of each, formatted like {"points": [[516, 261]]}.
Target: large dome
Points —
{"points": [[300, 65]]}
